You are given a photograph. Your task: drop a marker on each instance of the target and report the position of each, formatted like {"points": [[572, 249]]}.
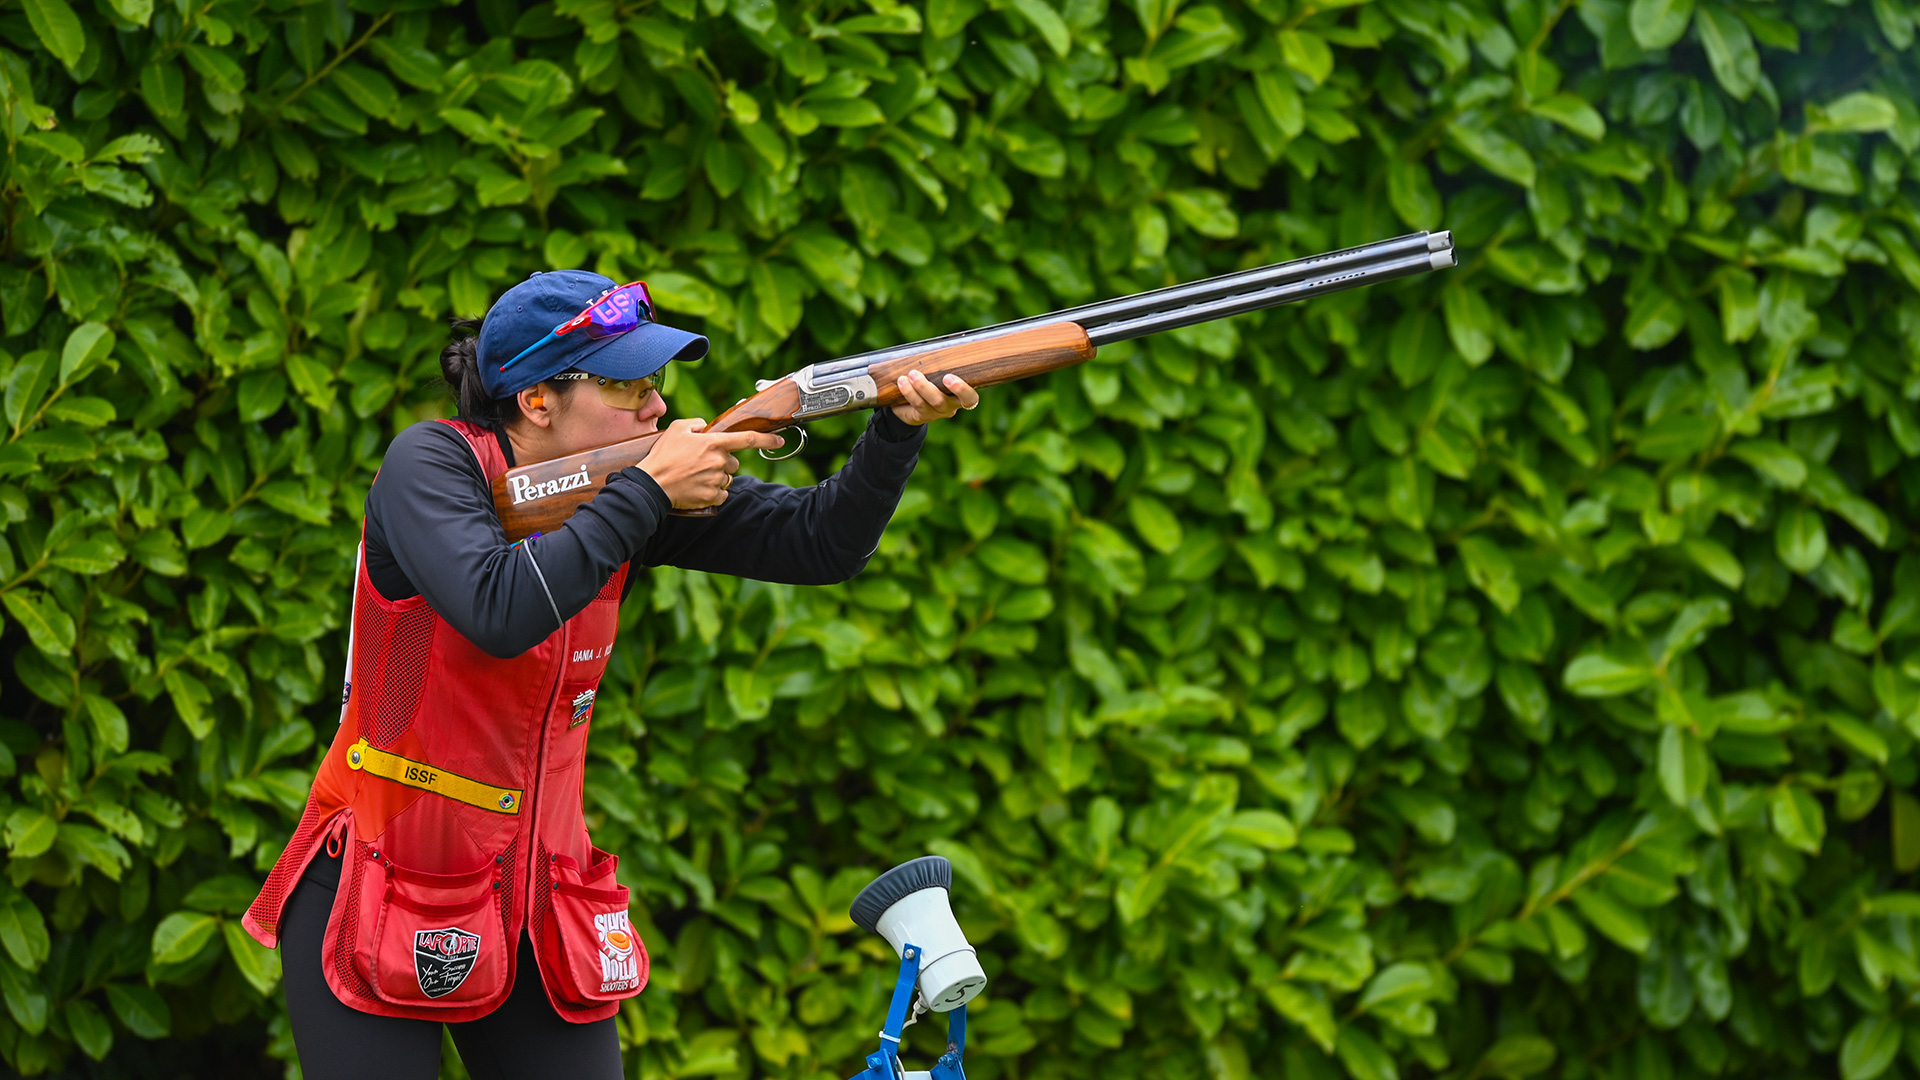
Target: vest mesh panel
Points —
{"points": [[272, 900], [542, 897], [398, 645], [350, 924], [512, 860]]}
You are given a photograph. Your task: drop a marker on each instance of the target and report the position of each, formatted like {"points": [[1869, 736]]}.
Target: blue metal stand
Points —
{"points": [[884, 1064]]}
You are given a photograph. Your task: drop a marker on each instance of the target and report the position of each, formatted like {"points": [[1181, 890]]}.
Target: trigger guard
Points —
{"points": [[801, 445]]}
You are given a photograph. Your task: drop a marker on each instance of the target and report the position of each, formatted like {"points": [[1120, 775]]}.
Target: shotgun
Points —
{"points": [[541, 497]]}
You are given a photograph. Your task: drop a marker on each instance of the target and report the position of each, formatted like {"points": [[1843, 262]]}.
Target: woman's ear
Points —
{"points": [[536, 404]]}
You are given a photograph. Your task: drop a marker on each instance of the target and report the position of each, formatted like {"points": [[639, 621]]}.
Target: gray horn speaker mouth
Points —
{"points": [[926, 872]]}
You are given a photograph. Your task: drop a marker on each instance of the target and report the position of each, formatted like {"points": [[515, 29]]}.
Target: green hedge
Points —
{"points": [[1511, 672]]}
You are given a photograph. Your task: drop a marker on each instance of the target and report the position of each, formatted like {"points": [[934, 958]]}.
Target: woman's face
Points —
{"points": [[584, 422]]}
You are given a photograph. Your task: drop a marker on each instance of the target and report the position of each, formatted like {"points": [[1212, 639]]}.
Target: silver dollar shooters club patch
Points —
{"points": [[442, 959], [619, 959]]}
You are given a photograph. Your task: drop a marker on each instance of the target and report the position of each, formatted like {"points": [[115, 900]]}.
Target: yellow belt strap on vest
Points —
{"points": [[419, 774]]}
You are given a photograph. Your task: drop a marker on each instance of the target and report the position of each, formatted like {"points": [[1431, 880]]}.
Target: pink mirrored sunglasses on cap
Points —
{"points": [[613, 312]]}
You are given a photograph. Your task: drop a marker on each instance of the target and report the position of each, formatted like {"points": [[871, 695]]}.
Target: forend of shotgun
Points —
{"points": [[540, 497]]}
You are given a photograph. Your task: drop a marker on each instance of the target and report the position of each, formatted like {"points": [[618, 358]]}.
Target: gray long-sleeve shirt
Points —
{"points": [[432, 531]]}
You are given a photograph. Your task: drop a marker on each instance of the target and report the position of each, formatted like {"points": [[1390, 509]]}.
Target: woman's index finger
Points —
{"points": [[742, 440]]}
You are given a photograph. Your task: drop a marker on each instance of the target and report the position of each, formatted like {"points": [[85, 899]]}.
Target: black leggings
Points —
{"points": [[522, 1038]]}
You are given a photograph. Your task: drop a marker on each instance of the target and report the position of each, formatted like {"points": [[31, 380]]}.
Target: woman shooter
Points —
{"points": [[442, 871]]}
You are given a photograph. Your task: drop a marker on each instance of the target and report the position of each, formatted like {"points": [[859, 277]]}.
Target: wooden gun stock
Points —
{"points": [[540, 497]]}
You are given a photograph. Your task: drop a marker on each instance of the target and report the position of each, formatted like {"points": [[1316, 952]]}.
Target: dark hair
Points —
{"points": [[460, 366]]}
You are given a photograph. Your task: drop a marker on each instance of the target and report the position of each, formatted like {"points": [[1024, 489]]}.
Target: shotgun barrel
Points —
{"points": [[1414, 251], [1238, 303]]}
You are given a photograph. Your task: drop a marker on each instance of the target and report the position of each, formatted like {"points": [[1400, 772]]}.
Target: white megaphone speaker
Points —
{"points": [[908, 906]]}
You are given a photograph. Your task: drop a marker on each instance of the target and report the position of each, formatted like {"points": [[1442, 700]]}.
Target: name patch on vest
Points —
{"points": [[442, 959], [619, 960], [524, 489]]}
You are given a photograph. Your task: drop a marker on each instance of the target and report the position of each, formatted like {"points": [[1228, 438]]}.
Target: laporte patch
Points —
{"points": [[442, 959]]}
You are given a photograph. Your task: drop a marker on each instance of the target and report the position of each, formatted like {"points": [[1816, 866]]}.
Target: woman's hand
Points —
{"points": [[696, 469], [925, 403]]}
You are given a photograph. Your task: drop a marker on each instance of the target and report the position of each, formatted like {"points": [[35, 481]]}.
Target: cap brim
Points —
{"points": [[641, 351]]}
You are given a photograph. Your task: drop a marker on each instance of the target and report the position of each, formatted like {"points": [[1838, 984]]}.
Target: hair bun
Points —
{"points": [[460, 366]]}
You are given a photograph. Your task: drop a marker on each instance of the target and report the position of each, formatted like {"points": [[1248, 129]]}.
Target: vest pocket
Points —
{"points": [[593, 954], [437, 941]]}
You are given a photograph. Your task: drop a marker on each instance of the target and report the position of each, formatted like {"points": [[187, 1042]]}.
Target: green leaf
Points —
{"points": [[23, 932], [416, 66], [1714, 558], [1819, 168], [1491, 570], [1657, 24], [1597, 675], [91, 1032], [259, 965], [1155, 523], [1409, 184], [1493, 151], [58, 28], [30, 832], [164, 87], [143, 1011], [1862, 738], [777, 288], [260, 395], [1773, 460], [1683, 765], [1307, 53], [1800, 539], [1364, 1058], [1730, 50], [1623, 925], [51, 629], [1515, 1057], [1262, 828], [847, 112], [1798, 818], [1307, 1009], [1573, 113], [1870, 1047], [190, 699], [1397, 983], [1471, 325], [1416, 349], [1654, 318], [26, 999], [181, 935], [1859, 111], [137, 12], [1048, 22], [1205, 211], [1016, 560]]}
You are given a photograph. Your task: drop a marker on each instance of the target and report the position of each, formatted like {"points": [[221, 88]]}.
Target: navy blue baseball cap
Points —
{"points": [[530, 310]]}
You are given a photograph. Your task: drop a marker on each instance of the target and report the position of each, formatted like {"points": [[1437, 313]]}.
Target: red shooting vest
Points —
{"points": [[453, 788]]}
